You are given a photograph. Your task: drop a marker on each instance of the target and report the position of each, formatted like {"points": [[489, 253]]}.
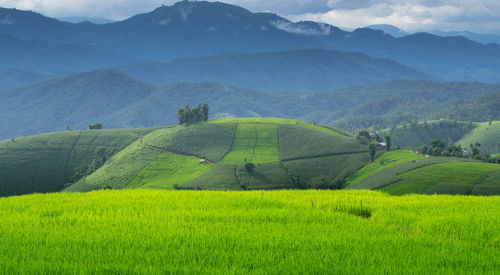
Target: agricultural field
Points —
{"points": [[258, 143], [385, 160], [391, 175], [45, 163], [450, 177], [256, 232], [295, 143], [487, 135], [168, 170]]}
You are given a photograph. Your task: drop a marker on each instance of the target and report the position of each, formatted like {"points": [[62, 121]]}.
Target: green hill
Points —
{"points": [[45, 163], [283, 154], [224, 154], [414, 135], [404, 172], [487, 135]]}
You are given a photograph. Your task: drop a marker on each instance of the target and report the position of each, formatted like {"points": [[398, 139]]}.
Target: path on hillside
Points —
{"points": [[177, 152]]}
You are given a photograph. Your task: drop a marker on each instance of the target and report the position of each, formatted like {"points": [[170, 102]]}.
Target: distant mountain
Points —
{"points": [[478, 37], [300, 70], [194, 29], [14, 78], [54, 57], [389, 29], [81, 19]]}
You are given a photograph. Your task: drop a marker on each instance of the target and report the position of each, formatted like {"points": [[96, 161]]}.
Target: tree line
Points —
{"points": [[438, 147]]}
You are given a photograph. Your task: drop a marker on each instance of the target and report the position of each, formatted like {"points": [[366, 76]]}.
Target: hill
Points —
{"points": [[414, 135], [45, 163], [300, 70], [283, 154], [305, 232], [76, 101], [403, 172], [211, 28]]}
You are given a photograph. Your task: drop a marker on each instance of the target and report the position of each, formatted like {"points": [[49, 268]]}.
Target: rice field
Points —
{"points": [[257, 143], [386, 160], [252, 232], [457, 173], [168, 170]]}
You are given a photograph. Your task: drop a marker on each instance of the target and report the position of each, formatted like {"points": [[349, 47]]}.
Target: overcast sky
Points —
{"points": [[412, 15]]}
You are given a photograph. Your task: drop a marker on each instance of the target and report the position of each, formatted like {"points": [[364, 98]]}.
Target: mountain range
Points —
{"points": [[195, 29]]}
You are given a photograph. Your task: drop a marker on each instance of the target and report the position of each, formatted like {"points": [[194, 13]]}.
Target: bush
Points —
{"points": [[249, 167], [95, 126]]}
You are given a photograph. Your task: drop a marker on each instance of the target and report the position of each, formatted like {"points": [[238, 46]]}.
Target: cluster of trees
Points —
{"points": [[438, 147], [95, 126], [364, 137], [187, 115]]}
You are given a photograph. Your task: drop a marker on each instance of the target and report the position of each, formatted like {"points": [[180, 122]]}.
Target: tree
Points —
{"points": [[388, 142], [373, 151], [187, 115], [205, 110], [95, 126], [364, 137]]}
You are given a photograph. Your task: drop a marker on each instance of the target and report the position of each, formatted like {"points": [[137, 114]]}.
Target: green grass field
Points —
{"points": [[169, 169], [386, 160], [455, 175], [270, 232], [487, 135], [258, 143]]}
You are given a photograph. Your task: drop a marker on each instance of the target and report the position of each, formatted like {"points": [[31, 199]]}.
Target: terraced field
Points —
{"points": [[386, 160], [168, 170], [450, 177], [257, 143]]}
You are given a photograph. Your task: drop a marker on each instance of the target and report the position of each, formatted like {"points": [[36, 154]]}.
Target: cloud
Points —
{"points": [[411, 15]]}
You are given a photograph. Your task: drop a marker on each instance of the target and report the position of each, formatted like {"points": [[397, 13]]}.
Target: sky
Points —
{"points": [[482, 16]]}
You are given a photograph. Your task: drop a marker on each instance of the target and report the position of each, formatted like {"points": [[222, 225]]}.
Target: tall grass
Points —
{"points": [[270, 232]]}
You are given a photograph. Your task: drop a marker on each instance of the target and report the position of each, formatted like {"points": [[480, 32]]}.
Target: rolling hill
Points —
{"points": [[414, 135], [283, 153], [120, 101], [45, 163], [403, 172], [229, 154]]}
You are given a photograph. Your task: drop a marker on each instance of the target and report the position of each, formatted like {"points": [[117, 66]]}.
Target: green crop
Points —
{"points": [[270, 232], [386, 160], [257, 143]]}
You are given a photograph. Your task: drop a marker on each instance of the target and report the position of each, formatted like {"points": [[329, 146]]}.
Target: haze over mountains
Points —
{"points": [[139, 71], [194, 29]]}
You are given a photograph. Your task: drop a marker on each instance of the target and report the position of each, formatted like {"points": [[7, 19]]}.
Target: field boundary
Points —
{"points": [[323, 156], [174, 151]]}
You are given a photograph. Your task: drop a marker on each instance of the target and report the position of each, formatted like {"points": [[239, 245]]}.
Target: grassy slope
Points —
{"points": [[150, 231], [390, 175], [44, 163], [487, 135], [210, 141], [258, 143], [386, 160], [281, 121], [297, 141], [169, 169], [118, 171], [453, 177]]}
